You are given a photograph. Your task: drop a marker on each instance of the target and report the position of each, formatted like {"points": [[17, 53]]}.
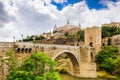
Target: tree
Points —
{"points": [[39, 37], [109, 31], [106, 59], [82, 35], [117, 64], [11, 61], [109, 41], [79, 35], [28, 38], [36, 67], [67, 35]]}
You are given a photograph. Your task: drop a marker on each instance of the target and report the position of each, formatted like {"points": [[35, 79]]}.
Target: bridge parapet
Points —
{"points": [[6, 44], [30, 44], [46, 46]]}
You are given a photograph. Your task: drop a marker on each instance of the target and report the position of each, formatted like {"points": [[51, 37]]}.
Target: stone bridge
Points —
{"points": [[82, 58]]}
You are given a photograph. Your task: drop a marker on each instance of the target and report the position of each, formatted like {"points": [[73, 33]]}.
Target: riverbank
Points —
{"points": [[63, 74], [103, 74], [68, 77]]}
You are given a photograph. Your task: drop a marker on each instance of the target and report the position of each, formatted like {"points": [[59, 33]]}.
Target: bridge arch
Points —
{"points": [[73, 59], [71, 55]]}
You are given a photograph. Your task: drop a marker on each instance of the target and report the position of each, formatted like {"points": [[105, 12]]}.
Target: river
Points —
{"points": [[68, 77]]}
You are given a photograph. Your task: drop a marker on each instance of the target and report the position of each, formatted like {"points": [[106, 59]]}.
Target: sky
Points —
{"points": [[33, 17]]}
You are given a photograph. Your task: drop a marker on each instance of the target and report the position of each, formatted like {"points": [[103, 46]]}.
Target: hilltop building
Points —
{"points": [[47, 35], [59, 32], [117, 24], [65, 29]]}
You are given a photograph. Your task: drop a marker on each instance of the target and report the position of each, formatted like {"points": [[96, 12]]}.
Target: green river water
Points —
{"points": [[68, 77]]}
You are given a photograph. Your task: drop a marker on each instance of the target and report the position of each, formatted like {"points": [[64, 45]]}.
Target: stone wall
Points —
{"points": [[115, 40], [88, 70], [61, 41]]}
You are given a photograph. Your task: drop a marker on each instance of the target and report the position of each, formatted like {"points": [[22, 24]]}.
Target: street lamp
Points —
{"points": [[14, 43], [22, 36], [13, 38]]}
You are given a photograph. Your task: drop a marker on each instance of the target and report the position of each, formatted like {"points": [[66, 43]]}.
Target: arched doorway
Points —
{"points": [[73, 59], [91, 44]]}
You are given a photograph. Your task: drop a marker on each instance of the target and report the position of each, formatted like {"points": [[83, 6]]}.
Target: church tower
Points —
{"points": [[55, 28], [79, 25], [68, 22]]}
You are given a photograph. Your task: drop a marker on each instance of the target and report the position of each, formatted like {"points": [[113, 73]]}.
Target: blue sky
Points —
{"points": [[92, 4], [60, 6], [33, 17]]}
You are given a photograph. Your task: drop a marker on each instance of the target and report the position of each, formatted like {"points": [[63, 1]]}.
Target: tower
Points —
{"points": [[93, 38], [79, 24], [68, 22], [55, 28]]}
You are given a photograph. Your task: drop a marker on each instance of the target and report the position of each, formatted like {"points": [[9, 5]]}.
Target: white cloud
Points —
{"points": [[30, 17], [60, 1], [4, 17], [81, 13], [47, 1]]}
